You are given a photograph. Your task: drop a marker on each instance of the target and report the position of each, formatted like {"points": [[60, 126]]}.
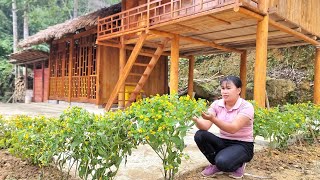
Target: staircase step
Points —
{"points": [[137, 74], [140, 64], [132, 84]]}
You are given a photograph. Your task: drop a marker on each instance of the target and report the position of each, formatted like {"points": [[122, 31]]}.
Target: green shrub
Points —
{"points": [[162, 122], [283, 124]]}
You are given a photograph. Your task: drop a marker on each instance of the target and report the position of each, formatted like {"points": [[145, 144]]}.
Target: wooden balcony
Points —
{"points": [[222, 22], [157, 13]]}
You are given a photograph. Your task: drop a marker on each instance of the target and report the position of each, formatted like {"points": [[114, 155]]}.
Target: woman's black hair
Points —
{"points": [[234, 79]]}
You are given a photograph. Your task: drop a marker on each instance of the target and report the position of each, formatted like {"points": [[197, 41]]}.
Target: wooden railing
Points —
{"points": [[152, 13]]}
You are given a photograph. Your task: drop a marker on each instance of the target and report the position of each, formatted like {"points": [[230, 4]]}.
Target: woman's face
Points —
{"points": [[229, 91]]}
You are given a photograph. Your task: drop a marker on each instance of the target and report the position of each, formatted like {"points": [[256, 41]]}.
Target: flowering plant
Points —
{"points": [[162, 122]]}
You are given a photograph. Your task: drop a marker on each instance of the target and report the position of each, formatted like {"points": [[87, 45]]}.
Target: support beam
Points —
{"points": [[108, 44], [196, 41], [174, 65], [243, 74], [42, 80], [70, 70], [99, 74], [316, 93], [191, 76], [220, 20], [260, 67], [25, 76], [122, 63], [278, 26]]}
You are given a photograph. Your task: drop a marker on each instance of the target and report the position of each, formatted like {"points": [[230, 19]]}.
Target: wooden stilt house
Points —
{"points": [[82, 71], [196, 27], [128, 47]]}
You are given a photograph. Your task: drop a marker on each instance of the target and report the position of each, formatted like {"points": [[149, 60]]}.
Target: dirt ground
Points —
{"points": [[296, 163], [12, 168]]}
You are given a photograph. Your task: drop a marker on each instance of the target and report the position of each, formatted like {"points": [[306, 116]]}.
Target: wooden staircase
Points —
{"points": [[127, 72]]}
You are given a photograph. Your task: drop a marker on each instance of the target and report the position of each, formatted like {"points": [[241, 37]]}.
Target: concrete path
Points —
{"points": [[47, 109], [143, 164]]}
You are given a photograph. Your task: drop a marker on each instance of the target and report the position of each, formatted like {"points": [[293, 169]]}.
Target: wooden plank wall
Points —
{"points": [[109, 73], [305, 13]]}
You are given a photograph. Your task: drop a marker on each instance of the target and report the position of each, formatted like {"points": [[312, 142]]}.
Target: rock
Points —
{"points": [[305, 85], [278, 89], [208, 89], [196, 73]]}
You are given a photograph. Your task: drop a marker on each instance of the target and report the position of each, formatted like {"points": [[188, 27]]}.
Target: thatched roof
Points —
{"points": [[70, 26], [27, 56]]}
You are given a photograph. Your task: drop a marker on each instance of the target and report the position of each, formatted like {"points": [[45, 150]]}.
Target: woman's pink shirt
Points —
{"points": [[242, 107]]}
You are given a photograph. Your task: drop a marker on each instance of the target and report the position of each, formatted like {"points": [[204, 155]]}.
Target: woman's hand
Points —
{"points": [[195, 119], [209, 116]]}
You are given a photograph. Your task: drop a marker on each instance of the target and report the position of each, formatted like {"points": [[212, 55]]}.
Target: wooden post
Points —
{"points": [[70, 69], [18, 68], [34, 82], [122, 63], [42, 75], [99, 74], [260, 67], [191, 75], [49, 70], [243, 74], [174, 65], [25, 75], [316, 93]]}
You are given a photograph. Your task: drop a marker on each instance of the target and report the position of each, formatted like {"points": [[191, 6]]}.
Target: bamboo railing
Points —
{"points": [[155, 12]]}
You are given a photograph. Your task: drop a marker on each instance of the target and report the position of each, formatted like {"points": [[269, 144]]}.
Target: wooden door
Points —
{"points": [[41, 82]]}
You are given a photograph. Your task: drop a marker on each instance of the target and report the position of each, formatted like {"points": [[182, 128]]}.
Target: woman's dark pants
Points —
{"points": [[227, 155]]}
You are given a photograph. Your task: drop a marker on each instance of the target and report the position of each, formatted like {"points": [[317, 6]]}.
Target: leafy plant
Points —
{"points": [[287, 123], [162, 122]]}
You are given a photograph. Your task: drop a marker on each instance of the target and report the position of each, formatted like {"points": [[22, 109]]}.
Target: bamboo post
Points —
{"points": [[122, 63], [316, 93], [260, 67], [191, 75], [243, 74], [174, 65]]}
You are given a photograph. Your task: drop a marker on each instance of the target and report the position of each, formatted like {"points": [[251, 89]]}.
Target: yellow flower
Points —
{"points": [[147, 138]]}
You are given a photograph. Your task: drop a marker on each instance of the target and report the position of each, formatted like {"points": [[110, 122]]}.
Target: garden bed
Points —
{"points": [[296, 163]]}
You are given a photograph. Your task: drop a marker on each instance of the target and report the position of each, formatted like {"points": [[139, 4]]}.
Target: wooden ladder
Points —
{"points": [[127, 69]]}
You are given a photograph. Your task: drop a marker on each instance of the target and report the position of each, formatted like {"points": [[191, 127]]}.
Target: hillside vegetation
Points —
{"points": [[294, 64]]}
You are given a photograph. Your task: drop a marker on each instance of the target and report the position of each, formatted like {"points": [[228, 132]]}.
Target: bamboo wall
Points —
{"points": [[305, 13]]}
